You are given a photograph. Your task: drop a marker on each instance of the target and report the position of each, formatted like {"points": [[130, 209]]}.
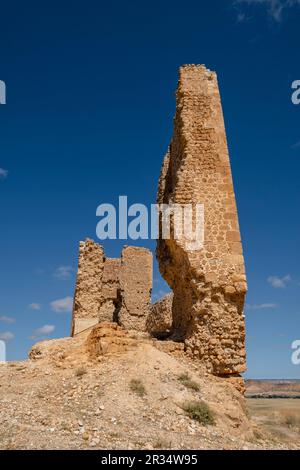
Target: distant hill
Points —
{"points": [[267, 388]]}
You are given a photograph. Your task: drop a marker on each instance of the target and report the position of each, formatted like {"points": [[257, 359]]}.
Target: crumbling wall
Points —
{"points": [[112, 289], [159, 320], [88, 296], [108, 310], [136, 287], [209, 284]]}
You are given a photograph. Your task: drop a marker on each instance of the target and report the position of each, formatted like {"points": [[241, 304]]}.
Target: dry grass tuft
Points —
{"points": [[137, 386], [188, 382]]}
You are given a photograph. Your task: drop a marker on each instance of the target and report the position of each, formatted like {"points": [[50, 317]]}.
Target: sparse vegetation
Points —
{"points": [[65, 426], [258, 434], [162, 443], [137, 386], [115, 435], [80, 371], [279, 419], [188, 382], [199, 411], [291, 419], [131, 401]]}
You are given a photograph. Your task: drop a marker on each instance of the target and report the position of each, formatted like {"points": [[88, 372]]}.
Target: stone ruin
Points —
{"points": [[209, 285], [112, 289], [205, 311]]}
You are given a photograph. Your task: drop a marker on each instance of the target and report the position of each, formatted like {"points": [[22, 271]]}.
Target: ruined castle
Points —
{"points": [[205, 311], [112, 289]]}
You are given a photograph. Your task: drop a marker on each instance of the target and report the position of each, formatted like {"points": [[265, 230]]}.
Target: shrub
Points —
{"points": [[199, 411], [162, 443], [188, 382], [137, 386], [291, 420]]}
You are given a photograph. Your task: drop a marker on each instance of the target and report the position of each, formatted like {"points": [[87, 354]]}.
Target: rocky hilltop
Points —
{"points": [[112, 389]]}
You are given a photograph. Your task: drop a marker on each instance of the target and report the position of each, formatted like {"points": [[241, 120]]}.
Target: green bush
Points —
{"points": [[188, 382], [137, 386], [199, 411]]}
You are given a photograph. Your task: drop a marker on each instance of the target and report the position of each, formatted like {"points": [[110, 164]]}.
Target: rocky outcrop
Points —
{"points": [[84, 387], [108, 338], [209, 284]]}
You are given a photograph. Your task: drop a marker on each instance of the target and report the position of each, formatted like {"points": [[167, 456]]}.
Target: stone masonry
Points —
{"points": [[159, 321], [115, 290], [209, 284], [136, 287], [205, 309]]}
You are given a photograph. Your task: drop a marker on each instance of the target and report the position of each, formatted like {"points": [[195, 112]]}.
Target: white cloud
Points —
{"points": [[7, 319], [35, 306], [242, 17], [279, 282], [6, 336], [63, 273], [275, 8], [296, 145], [261, 306], [39, 271], [44, 330], [3, 174], [62, 305]]}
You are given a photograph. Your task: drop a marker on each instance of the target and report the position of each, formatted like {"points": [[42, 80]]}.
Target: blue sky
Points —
{"points": [[90, 103]]}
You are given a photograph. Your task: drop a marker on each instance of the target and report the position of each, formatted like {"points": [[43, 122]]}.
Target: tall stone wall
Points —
{"points": [[136, 287], [112, 289], [209, 284], [88, 292]]}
